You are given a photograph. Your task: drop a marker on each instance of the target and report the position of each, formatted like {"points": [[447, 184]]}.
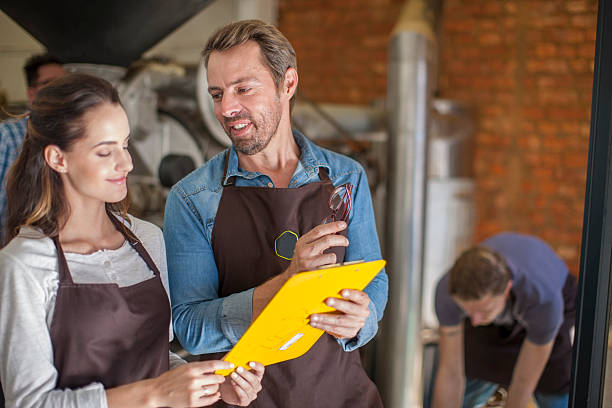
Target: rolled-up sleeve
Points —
{"points": [[364, 245]]}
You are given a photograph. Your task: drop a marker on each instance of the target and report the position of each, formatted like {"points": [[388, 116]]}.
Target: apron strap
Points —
{"points": [[323, 174], [62, 265], [64, 271], [230, 181], [134, 242]]}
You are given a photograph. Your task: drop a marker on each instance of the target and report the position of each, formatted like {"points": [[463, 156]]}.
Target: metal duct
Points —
{"points": [[112, 32], [411, 74]]}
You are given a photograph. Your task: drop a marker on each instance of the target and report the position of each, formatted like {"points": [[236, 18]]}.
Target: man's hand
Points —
{"points": [[350, 316], [308, 253], [528, 369], [242, 386]]}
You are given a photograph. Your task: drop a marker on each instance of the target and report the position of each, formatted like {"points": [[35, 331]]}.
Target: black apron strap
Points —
{"points": [[64, 272], [135, 243], [230, 181], [323, 175]]}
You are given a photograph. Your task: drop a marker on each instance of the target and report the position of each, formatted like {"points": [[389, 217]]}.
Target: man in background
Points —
{"points": [[506, 310], [39, 71]]}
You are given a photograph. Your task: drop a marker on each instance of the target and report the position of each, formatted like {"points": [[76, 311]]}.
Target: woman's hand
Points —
{"points": [[190, 385], [241, 387]]}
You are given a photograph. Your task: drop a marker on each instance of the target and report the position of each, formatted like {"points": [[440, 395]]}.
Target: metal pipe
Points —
{"points": [[412, 59]]}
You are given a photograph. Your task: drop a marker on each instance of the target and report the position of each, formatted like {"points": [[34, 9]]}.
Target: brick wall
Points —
{"points": [[525, 66], [341, 46]]}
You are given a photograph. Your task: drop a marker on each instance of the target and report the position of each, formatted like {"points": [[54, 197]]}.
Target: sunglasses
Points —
{"points": [[340, 204]]}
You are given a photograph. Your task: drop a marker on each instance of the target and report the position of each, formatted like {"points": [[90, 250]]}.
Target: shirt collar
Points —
{"points": [[311, 158]]}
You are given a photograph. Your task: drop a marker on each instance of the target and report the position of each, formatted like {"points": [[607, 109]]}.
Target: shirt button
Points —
{"points": [[270, 185]]}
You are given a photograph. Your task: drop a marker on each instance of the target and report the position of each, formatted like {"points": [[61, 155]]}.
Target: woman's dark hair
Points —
{"points": [[34, 190]]}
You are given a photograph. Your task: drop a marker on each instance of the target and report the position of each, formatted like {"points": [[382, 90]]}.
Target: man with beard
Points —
{"points": [[246, 221]]}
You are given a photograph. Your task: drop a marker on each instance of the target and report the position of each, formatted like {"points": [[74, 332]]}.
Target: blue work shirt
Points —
{"points": [[12, 133], [538, 276], [205, 323]]}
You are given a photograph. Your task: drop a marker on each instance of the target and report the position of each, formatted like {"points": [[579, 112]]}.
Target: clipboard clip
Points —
{"points": [[340, 264]]}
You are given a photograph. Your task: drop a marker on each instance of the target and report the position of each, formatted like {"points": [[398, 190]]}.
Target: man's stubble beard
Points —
{"points": [[263, 131]]}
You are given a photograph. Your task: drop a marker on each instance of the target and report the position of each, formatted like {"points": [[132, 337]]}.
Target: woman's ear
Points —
{"points": [[55, 158]]}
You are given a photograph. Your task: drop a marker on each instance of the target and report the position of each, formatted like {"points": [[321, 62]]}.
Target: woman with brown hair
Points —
{"points": [[84, 312]]}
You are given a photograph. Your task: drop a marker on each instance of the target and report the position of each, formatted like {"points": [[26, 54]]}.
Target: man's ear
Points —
{"points": [[508, 287], [31, 93], [290, 83], [55, 158]]}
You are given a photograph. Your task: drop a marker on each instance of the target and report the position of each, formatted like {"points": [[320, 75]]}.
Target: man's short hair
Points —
{"points": [[277, 52], [36, 61], [478, 272]]}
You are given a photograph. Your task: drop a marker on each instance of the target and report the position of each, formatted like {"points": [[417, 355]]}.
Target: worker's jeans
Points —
{"points": [[477, 393]]}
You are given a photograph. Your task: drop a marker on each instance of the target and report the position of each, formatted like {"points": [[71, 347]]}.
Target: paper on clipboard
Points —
{"points": [[281, 332]]}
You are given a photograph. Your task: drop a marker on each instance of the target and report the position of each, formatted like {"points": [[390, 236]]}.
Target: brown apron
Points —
{"points": [[491, 351], [248, 222], [107, 334]]}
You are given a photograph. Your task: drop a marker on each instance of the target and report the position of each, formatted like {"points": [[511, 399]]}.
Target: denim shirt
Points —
{"points": [[205, 323], [12, 133]]}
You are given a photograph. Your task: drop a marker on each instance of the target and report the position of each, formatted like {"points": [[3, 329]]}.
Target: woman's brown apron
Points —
{"points": [[107, 334], [248, 222], [491, 351]]}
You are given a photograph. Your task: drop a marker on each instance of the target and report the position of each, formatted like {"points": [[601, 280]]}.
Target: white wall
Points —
{"points": [[183, 45], [15, 47]]}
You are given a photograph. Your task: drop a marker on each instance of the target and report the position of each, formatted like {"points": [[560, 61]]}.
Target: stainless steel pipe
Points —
{"points": [[411, 79]]}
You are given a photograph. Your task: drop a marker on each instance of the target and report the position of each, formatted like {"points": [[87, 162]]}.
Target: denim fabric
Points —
{"points": [[477, 393], [551, 400], [12, 133], [205, 323]]}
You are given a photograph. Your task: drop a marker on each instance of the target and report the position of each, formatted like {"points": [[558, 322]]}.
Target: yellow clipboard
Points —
{"points": [[281, 332]]}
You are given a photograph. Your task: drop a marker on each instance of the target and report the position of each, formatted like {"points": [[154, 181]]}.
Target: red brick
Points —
{"points": [[539, 21], [568, 113], [588, 51], [489, 38], [578, 160], [576, 6], [567, 51], [584, 21], [533, 112], [545, 50], [460, 26]]}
